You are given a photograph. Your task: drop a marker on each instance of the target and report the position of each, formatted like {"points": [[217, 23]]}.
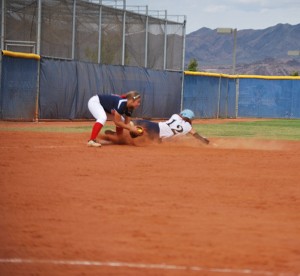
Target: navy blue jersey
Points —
{"points": [[152, 128], [112, 103]]}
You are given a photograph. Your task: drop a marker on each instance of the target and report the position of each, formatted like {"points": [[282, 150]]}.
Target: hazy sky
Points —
{"points": [[240, 14]]}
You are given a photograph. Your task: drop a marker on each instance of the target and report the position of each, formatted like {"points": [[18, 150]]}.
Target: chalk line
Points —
{"points": [[145, 266]]}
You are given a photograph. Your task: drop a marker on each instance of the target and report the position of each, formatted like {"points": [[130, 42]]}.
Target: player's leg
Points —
{"points": [[119, 130], [99, 114]]}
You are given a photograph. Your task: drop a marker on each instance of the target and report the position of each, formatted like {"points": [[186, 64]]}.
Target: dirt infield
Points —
{"points": [[183, 208]]}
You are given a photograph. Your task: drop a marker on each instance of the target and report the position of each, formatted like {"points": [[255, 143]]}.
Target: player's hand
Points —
{"points": [[136, 131], [133, 129]]}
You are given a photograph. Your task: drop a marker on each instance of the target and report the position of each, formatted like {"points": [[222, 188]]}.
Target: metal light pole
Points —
{"points": [[234, 32]]}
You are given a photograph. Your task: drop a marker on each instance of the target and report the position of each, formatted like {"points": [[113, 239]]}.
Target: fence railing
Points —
{"points": [[213, 95], [88, 31]]}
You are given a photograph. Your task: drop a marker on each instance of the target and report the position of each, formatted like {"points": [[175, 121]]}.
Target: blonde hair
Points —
{"points": [[133, 95]]}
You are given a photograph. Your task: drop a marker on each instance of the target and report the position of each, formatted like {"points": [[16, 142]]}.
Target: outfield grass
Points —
{"points": [[270, 129], [44, 128], [279, 129]]}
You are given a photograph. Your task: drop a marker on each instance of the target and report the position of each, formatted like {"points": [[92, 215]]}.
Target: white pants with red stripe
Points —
{"points": [[98, 111]]}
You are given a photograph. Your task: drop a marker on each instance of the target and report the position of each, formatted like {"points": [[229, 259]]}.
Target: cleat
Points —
{"points": [[93, 143]]}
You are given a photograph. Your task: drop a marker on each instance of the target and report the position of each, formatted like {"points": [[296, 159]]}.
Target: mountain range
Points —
{"points": [[258, 52]]}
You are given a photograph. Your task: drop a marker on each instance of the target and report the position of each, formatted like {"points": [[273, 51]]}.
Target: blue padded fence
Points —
{"points": [[224, 96], [33, 89], [66, 86], [262, 98], [18, 92], [210, 96], [60, 89]]}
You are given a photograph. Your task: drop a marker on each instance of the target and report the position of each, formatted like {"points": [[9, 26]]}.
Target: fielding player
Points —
{"points": [[118, 108]]}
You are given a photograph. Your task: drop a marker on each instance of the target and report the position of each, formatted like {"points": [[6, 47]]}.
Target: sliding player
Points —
{"points": [[178, 125]]}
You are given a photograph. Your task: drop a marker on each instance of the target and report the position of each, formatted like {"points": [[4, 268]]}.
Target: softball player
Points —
{"points": [[116, 107], [177, 125]]}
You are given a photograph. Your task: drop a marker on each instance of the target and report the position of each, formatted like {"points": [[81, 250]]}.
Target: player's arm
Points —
{"points": [[199, 137], [127, 119], [119, 122]]}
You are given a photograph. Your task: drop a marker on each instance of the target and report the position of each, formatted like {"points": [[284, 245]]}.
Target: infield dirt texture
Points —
{"points": [[169, 209]]}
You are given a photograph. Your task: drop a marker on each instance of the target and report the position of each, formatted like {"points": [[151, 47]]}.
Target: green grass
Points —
{"points": [[43, 128], [270, 129], [279, 129]]}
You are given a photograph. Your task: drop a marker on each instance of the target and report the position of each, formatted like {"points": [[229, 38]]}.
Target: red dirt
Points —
{"points": [[232, 208]]}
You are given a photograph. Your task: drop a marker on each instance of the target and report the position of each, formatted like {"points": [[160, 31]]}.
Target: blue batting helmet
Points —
{"points": [[187, 113]]}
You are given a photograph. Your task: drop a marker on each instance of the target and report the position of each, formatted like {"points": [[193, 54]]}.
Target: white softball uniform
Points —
{"points": [[175, 126]]}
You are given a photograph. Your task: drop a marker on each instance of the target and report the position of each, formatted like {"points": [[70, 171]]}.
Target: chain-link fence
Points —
{"points": [[87, 31]]}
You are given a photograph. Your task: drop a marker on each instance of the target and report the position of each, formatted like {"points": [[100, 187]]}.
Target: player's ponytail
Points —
{"points": [[133, 95]]}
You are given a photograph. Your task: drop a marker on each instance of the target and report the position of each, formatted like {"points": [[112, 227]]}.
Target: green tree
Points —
{"points": [[295, 73], [193, 65]]}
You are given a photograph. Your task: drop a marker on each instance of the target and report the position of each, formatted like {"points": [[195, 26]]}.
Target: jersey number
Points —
{"points": [[175, 128]]}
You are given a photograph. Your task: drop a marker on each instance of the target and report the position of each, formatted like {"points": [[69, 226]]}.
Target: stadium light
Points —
{"points": [[234, 32], [294, 53]]}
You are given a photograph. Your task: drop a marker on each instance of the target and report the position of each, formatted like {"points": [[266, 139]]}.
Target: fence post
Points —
{"points": [[182, 62], [36, 114], [219, 97], [165, 42], [39, 23], [183, 42], [237, 93], [123, 33], [74, 30], [2, 24], [146, 38], [100, 32]]}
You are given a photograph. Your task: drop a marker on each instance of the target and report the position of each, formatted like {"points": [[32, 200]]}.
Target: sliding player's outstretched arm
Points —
{"points": [[199, 137]]}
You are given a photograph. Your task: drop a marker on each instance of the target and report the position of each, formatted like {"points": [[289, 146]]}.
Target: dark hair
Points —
{"points": [[187, 119], [133, 95]]}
